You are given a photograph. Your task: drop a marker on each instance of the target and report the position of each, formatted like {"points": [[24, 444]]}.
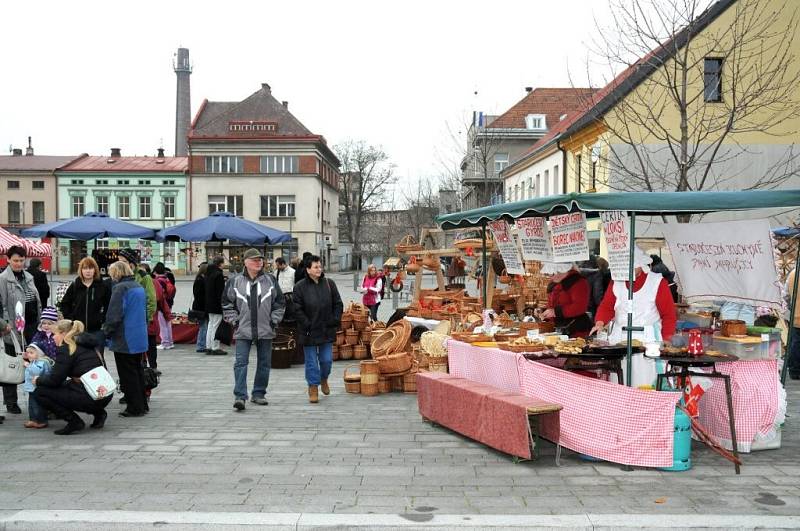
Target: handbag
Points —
{"points": [[224, 333], [98, 382], [150, 378], [12, 368], [196, 316]]}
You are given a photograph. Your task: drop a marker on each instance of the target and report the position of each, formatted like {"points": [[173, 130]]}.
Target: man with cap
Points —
{"points": [[653, 310], [252, 300]]}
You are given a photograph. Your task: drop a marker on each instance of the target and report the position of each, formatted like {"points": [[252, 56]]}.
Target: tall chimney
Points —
{"points": [[160, 153], [183, 109], [29, 149], [116, 152]]}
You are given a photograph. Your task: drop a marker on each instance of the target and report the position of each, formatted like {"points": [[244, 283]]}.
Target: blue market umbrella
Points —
{"points": [[221, 226], [89, 227]]}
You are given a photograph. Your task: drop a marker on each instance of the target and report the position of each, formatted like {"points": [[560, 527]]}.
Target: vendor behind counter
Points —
{"points": [[568, 299]]}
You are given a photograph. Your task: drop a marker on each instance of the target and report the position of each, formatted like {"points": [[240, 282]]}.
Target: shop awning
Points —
{"points": [[640, 203]]}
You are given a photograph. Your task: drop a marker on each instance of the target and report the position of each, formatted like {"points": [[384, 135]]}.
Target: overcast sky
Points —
{"points": [[86, 76]]}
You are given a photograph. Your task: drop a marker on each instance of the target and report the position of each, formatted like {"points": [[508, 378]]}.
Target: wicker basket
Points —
{"points": [[351, 337], [360, 322], [335, 353], [396, 384], [410, 382], [370, 374], [347, 321], [384, 385], [340, 337], [408, 245], [346, 352], [360, 352], [352, 382], [365, 337], [438, 364], [395, 363]]}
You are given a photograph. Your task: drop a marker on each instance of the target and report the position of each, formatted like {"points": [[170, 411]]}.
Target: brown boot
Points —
{"points": [[325, 389], [313, 394]]}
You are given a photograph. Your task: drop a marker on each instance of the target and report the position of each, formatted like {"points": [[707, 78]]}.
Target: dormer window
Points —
{"points": [[536, 122], [251, 126]]}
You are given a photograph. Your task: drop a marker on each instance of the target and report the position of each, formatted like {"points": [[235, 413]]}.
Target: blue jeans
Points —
{"points": [[263, 363], [36, 412], [319, 359], [201, 335]]}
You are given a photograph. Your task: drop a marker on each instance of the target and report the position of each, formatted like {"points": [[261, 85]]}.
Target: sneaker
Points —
{"points": [[238, 405], [202, 351], [13, 409], [169, 347], [260, 400], [160, 347]]}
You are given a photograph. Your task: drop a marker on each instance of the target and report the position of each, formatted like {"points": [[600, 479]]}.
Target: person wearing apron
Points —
{"points": [[653, 310]]}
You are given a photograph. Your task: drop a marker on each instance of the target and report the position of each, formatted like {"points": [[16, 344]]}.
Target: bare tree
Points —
{"points": [[422, 207], [366, 174], [707, 92]]}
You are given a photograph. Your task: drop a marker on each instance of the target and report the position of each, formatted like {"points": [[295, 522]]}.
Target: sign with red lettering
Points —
{"points": [[532, 234], [507, 246], [568, 237], [617, 231], [732, 260]]}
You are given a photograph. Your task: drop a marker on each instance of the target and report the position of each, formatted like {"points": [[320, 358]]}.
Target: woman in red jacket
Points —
{"points": [[568, 299]]}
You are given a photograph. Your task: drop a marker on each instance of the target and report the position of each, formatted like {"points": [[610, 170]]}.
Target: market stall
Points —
{"points": [[755, 396]]}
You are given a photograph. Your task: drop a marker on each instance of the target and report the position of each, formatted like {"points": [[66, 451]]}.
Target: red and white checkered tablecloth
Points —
{"points": [[490, 366], [606, 420], [754, 387]]}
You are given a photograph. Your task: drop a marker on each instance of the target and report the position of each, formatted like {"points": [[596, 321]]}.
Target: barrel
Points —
{"points": [[370, 372]]}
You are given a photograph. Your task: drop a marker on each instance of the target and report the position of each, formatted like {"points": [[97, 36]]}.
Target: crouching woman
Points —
{"points": [[61, 391]]}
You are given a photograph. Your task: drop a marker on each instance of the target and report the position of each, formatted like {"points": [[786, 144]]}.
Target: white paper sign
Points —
{"points": [[617, 231], [731, 260], [568, 237], [507, 247], [533, 238]]}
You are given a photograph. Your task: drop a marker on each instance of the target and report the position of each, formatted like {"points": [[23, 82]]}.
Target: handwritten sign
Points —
{"points": [[532, 234], [731, 260], [568, 237], [507, 246], [617, 231]]}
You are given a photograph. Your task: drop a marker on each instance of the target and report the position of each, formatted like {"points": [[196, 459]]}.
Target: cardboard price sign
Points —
{"points": [[507, 247], [568, 236], [533, 237], [617, 231]]}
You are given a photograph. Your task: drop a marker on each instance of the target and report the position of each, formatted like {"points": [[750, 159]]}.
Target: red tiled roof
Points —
{"points": [[552, 102], [130, 164]]}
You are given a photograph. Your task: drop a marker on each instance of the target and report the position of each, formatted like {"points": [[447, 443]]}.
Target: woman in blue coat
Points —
{"points": [[126, 329]]}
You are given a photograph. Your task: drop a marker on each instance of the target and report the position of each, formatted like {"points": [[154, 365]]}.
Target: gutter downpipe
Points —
{"points": [[564, 166]]}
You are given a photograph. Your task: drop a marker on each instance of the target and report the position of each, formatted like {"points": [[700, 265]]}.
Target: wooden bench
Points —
{"points": [[506, 421]]}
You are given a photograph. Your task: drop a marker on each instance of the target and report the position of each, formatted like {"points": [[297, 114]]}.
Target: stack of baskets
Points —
{"points": [[355, 334], [393, 366]]}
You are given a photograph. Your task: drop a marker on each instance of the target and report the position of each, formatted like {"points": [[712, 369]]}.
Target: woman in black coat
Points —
{"points": [[60, 391], [39, 280], [199, 305], [86, 300], [318, 311]]}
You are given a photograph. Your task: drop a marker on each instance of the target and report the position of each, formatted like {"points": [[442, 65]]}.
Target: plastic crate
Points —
{"points": [[763, 347]]}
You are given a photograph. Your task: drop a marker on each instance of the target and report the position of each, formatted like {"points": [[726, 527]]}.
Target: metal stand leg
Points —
{"points": [[732, 421]]}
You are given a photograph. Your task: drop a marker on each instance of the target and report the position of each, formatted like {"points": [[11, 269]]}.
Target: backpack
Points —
{"points": [[168, 288]]}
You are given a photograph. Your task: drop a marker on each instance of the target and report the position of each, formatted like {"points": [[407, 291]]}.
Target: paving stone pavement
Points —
{"points": [[347, 454]]}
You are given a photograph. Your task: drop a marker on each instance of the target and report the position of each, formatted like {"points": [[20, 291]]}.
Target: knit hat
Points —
{"points": [[49, 314], [39, 350], [129, 255]]}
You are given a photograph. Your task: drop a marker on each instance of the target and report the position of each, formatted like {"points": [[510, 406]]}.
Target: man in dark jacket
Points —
{"points": [[253, 300], [317, 310], [39, 280], [215, 286], [300, 272]]}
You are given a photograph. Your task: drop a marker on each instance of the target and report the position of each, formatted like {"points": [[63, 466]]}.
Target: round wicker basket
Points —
{"points": [[352, 382], [394, 363]]}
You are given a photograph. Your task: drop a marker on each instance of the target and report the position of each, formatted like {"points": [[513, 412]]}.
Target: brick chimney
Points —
{"points": [[265, 86], [285, 104], [160, 153], [116, 152], [29, 149]]}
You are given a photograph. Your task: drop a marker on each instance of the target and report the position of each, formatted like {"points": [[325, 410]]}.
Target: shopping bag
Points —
{"points": [[225, 333], [99, 383]]}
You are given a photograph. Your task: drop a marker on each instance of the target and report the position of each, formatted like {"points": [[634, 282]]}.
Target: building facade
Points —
{"points": [[256, 160], [147, 191]]}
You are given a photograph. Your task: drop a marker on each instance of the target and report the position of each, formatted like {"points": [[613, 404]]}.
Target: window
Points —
{"points": [[277, 206], [500, 161], [530, 187], [123, 243], [124, 206], [516, 192], [38, 212], [13, 185], [144, 207], [224, 164], [522, 189], [101, 244], [536, 121], [546, 183], [102, 203], [76, 181], [279, 164], [169, 182], [78, 206], [169, 207], [226, 203], [102, 181], [123, 181], [144, 182], [38, 185], [14, 213], [712, 79], [556, 184], [538, 185], [168, 251]]}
